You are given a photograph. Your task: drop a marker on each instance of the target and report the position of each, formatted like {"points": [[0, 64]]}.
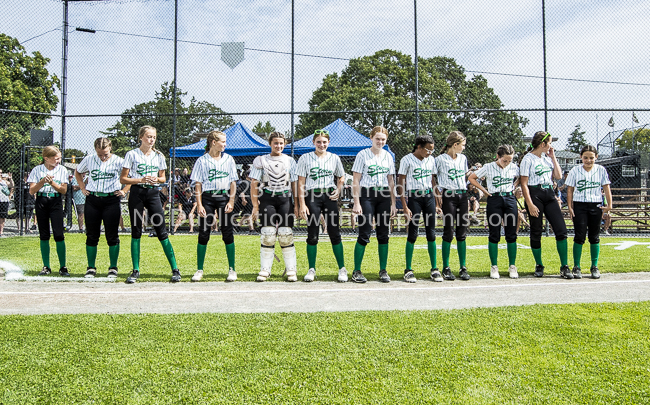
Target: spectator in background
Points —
{"points": [[244, 203], [27, 205], [6, 188], [561, 185], [185, 178], [79, 200], [519, 195], [474, 195], [186, 209]]}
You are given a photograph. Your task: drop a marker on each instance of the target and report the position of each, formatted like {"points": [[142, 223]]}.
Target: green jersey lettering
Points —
{"points": [[541, 170], [455, 173], [316, 172], [375, 170], [100, 175], [583, 185], [498, 181], [214, 174], [145, 170], [421, 173]]}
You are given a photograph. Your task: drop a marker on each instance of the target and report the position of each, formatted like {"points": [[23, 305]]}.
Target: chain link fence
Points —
{"points": [[496, 72]]}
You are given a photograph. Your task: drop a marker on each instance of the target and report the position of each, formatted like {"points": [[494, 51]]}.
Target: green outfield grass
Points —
{"points": [[24, 252], [552, 354]]}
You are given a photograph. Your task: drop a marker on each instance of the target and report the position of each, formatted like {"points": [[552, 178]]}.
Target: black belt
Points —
{"points": [[419, 193], [503, 193], [543, 186], [49, 195]]}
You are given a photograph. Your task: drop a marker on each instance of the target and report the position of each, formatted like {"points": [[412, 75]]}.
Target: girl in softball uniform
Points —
{"points": [[373, 190], [318, 193], [144, 169], [452, 173], [416, 179], [49, 182], [537, 169], [501, 177], [103, 194], [586, 207], [215, 176], [272, 181]]}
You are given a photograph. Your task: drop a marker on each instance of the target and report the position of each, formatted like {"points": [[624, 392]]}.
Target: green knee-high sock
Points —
{"points": [[512, 253], [169, 252], [446, 249], [563, 249], [135, 253], [200, 255], [312, 251], [230, 252], [462, 253], [382, 249], [338, 254], [91, 254], [577, 254], [60, 251], [493, 250], [409, 254], [359, 250], [537, 254], [45, 252], [595, 252], [113, 254], [431, 247]]}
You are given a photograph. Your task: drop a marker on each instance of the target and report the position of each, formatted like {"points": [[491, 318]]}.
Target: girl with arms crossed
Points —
{"points": [[144, 169], [416, 181], [501, 177], [49, 182], [373, 190], [272, 181], [452, 171], [586, 207], [215, 174], [318, 192], [103, 194], [538, 168]]}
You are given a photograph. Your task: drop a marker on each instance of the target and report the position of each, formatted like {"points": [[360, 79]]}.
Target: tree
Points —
{"points": [[78, 155], [25, 85], [576, 140], [198, 116], [260, 128], [386, 81], [635, 140]]}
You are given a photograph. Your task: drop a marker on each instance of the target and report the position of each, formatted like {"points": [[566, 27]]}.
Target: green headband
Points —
{"points": [[545, 136]]}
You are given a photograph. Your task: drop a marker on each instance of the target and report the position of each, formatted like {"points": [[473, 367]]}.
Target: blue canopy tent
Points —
{"points": [[241, 142], [344, 141]]}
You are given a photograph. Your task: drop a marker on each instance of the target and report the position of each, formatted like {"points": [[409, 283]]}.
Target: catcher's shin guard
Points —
{"points": [[266, 252], [285, 237]]}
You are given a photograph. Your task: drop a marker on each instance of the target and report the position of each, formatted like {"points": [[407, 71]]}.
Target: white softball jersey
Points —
{"points": [[374, 169], [59, 173], [214, 174], [539, 170], [418, 172], [319, 172], [587, 184], [141, 165], [275, 173], [103, 177], [499, 180], [451, 172]]}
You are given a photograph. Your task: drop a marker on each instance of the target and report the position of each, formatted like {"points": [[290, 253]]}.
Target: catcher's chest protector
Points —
{"points": [[276, 177]]}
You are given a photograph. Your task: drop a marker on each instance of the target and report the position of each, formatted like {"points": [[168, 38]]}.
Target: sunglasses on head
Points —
{"points": [[321, 132]]}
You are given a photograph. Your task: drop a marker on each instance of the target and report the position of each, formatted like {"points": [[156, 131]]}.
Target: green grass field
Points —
{"points": [[24, 252], [552, 354]]}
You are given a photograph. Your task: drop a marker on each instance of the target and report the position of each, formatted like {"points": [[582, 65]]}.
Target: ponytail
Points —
{"points": [[453, 138], [539, 138]]}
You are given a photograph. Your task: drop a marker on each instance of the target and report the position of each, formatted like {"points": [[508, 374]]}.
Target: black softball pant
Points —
{"points": [[215, 203], [106, 209], [546, 203], [141, 198], [455, 209], [50, 209], [374, 204], [586, 221], [320, 203], [276, 210], [502, 209], [422, 207]]}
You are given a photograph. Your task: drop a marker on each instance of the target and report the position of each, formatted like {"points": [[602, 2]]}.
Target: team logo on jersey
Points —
{"points": [[583, 185], [498, 181], [541, 170], [374, 170], [214, 174], [144, 169], [100, 175], [316, 172], [455, 174], [421, 173]]}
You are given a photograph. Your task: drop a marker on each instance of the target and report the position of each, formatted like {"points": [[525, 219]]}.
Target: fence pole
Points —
{"points": [[417, 85], [21, 192], [544, 45], [293, 56], [173, 165]]}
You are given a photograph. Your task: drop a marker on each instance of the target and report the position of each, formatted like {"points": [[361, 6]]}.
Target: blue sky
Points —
{"points": [[108, 72]]}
